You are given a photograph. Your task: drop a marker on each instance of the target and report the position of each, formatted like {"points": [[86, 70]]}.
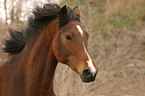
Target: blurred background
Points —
{"points": [[116, 43]]}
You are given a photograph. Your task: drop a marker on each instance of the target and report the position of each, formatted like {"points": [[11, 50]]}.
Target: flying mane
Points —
{"points": [[41, 16]]}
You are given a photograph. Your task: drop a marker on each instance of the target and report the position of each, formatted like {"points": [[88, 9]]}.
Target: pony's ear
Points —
{"points": [[77, 11], [63, 12]]}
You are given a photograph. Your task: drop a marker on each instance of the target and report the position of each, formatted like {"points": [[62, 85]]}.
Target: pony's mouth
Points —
{"points": [[91, 78]]}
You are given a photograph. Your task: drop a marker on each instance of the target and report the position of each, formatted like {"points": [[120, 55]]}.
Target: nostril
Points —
{"points": [[87, 73]]}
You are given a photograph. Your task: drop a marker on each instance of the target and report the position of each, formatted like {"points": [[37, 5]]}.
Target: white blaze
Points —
{"points": [[90, 62], [80, 29]]}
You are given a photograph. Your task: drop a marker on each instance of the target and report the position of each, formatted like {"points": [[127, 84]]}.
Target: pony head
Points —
{"points": [[70, 44]]}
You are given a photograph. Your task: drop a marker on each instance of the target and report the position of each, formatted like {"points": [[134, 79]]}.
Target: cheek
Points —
{"points": [[57, 50], [60, 51]]}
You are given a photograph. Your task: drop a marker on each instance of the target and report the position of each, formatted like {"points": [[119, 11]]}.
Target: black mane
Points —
{"points": [[41, 16]]}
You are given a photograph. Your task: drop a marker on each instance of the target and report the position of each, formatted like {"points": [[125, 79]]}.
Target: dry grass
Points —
{"points": [[117, 45]]}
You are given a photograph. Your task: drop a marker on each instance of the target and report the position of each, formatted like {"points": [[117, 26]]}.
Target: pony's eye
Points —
{"points": [[68, 37]]}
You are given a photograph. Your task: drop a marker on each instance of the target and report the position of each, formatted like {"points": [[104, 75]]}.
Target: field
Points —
{"points": [[116, 43]]}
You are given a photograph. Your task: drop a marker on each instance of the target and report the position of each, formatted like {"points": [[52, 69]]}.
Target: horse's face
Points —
{"points": [[70, 47]]}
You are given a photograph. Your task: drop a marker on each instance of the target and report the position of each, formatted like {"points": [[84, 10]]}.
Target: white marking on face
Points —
{"points": [[90, 62], [80, 29]]}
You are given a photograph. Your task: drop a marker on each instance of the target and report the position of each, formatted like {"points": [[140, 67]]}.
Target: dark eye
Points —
{"points": [[68, 37]]}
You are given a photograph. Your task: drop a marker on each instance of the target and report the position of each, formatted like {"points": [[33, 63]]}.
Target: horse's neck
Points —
{"points": [[41, 67], [31, 72]]}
